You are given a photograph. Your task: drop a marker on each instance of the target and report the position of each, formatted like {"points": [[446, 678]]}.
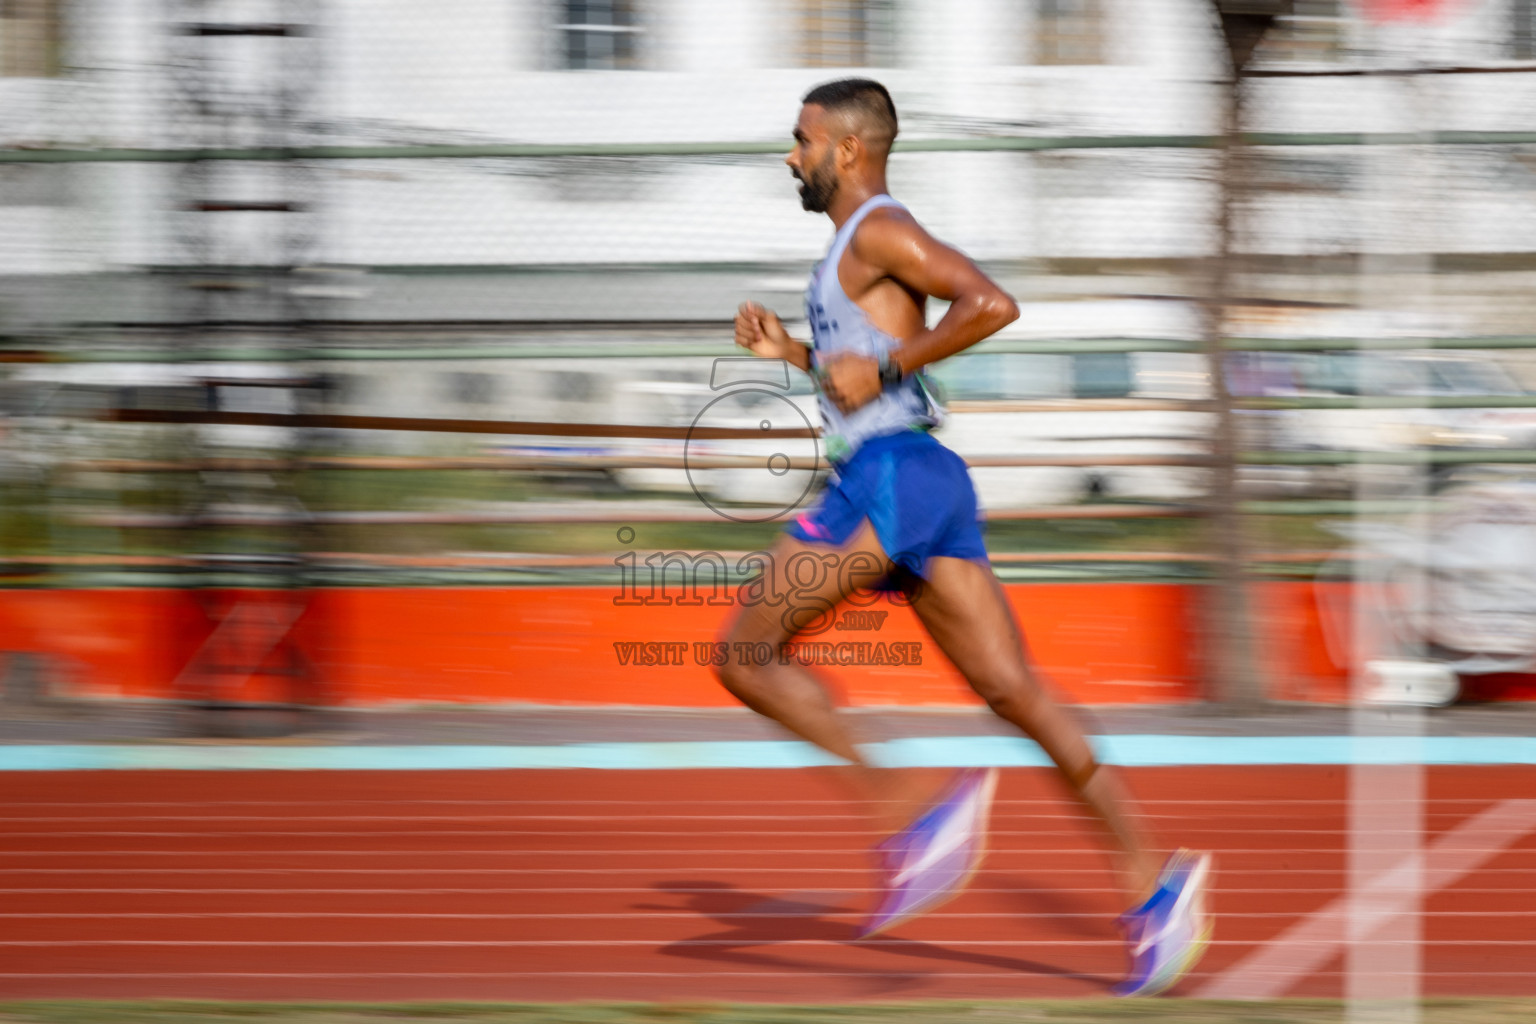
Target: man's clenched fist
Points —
{"points": [[850, 380], [762, 333]]}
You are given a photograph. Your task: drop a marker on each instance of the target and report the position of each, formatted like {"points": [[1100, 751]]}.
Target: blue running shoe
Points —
{"points": [[933, 858], [1169, 932]]}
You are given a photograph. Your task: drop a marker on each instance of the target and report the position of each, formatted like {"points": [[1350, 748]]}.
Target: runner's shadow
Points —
{"points": [[1029, 898], [755, 919]]}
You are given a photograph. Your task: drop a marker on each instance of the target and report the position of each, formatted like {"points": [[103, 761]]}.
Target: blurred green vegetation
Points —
{"points": [[69, 512]]}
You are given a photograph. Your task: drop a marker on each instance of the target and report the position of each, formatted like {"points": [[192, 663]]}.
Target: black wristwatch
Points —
{"points": [[890, 370]]}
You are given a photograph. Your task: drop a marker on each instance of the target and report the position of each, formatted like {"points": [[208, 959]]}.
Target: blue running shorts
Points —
{"points": [[916, 493]]}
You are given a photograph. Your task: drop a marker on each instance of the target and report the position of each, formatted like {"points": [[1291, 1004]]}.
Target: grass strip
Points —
{"points": [[1079, 1011]]}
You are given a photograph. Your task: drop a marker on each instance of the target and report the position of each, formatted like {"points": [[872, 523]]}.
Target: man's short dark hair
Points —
{"points": [[865, 101]]}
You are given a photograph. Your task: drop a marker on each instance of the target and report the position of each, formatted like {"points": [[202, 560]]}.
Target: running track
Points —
{"points": [[704, 885]]}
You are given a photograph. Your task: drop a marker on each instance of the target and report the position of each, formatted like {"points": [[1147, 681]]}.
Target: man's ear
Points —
{"points": [[849, 150]]}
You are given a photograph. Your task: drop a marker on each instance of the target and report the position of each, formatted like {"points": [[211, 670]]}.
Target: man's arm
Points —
{"points": [[762, 333], [978, 308], [896, 246]]}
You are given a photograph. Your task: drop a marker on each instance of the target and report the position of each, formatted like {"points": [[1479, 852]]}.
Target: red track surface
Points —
{"points": [[676, 885]]}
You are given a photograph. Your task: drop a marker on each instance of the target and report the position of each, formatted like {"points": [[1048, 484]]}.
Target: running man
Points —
{"points": [[903, 503]]}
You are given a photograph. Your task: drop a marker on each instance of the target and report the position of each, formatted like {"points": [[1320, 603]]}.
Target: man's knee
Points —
{"points": [[1012, 695], [740, 678], [729, 676]]}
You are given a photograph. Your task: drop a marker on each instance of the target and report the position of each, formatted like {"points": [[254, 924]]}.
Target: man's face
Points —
{"points": [[812, 160]]}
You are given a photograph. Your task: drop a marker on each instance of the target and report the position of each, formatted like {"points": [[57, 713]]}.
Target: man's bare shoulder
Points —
{"points": [[890, 231]]}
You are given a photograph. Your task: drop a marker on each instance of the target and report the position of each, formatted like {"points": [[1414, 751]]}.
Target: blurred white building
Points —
{"points": [[102, 74]]}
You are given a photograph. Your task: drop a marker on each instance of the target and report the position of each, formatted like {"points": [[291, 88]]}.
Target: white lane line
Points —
{"points": [[671, 916], [547, 833], [1076, 890], [1217, 825], [1272, 969], [460, 820], [1107, 943], [506, 803], [755, 850], [732, 871], [323, 810], [795, 972], [926, 977]]}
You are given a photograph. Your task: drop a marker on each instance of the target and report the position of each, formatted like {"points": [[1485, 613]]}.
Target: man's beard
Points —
{"points": [[819, 186]]}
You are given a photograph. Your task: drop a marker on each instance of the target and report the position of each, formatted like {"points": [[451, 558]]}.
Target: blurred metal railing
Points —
{"points": [[704, 348], [85, 350], [991, 144]]}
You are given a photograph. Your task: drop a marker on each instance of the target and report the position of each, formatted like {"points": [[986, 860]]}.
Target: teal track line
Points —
{"points": [[930, 751]]}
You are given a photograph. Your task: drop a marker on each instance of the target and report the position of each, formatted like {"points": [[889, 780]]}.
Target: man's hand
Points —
{"points": [[762, 333], [850, 380]]}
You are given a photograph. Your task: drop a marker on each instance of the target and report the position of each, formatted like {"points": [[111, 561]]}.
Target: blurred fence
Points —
{"points": [[299, 295], [1098, 197]]}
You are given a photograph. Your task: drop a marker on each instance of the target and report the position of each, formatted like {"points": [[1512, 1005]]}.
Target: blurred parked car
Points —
{"points": [[1076, 406], [1404, 375]]}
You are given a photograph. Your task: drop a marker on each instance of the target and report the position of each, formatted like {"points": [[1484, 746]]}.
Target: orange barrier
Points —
{"points": [[1291, 645], [1119, 643], [1098, 643], [105, 642]]}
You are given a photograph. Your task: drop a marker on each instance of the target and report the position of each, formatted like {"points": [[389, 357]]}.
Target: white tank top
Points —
{"points": [[839, 325]]}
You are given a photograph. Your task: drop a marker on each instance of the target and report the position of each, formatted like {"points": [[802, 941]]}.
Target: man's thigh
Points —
{"points": [[802, 583], [966, 611]]}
